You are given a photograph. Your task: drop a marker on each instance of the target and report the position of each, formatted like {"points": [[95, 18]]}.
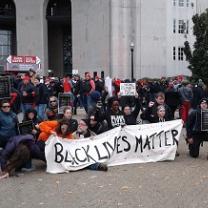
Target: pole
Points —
{"points": [[132, 64]]}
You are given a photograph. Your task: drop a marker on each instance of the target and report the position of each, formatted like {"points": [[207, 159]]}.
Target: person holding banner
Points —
{"points": [[195, 135], [84, 132]]}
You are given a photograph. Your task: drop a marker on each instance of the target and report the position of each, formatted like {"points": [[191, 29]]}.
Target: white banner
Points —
{"points": [[130, 144]]}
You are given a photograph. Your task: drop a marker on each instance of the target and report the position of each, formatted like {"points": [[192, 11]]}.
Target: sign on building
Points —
{"points": [[23, 63], [127, 89]]}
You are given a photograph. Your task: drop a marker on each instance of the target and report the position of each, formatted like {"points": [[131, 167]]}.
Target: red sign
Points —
{"points": [[23, 60], [17, 59], [30, 59]]}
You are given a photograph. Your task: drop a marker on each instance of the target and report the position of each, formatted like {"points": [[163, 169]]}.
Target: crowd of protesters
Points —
{"points": [[37, 98]]}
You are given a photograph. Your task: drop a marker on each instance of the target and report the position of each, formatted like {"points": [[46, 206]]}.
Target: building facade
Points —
{"points": [[95, 35]]}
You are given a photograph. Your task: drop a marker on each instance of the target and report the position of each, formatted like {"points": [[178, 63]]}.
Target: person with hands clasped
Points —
{"points": [[195, 135]]}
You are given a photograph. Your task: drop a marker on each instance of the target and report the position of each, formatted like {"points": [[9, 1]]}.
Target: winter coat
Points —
{"points": [[193, 125], [132, 118], [31, 93], [14, 142], [43, 94], [8, 124]]}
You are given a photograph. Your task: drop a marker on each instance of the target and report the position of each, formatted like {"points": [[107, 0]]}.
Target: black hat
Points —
{"points": [[203, 100]]}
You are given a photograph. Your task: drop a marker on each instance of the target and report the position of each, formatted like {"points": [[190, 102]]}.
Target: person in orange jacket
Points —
{"points": [[59, 128]]}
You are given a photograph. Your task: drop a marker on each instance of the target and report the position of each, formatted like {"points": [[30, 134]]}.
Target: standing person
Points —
{"points": [[76, 92], [172, 98], [67, 84], [195, 136], [87, 86], [42, 98], [8, 123], [27, 93], [186, 95]]}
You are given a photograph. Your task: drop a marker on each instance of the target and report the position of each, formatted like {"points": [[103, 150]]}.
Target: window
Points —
{"points": [[174, 26], [181, 25], [187, 27], [181, 3], [174, 2], [174, 53], [180, 53], [5, 44], [187, 3]]}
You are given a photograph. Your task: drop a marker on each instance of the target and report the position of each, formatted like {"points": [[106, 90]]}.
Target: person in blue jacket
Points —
{"points": [[8, 123]]}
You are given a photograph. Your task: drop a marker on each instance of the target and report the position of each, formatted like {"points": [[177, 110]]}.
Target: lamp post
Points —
{"points": [[132, 60]]}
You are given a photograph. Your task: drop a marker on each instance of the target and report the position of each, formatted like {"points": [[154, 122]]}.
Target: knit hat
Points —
{"points": [[95, 95]]}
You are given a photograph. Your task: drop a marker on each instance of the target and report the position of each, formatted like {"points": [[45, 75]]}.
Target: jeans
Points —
{"points": [[41, 110], [93, 166], [26, 106]]}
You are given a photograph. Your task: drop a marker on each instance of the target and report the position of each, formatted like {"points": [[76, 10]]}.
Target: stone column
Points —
{"points": [[31, 29], [121, 37]]}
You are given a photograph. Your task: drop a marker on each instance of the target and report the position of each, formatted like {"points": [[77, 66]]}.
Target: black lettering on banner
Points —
{"points": [[105, 145], [98, 153], [113, 148], [152, 137], [166, 138], [174, 133], [88, 156], [76, 155], [159, 136], [124, 138], [70, 161], [58, 151], [139, 142], [67, 160], [118, 151], [147, 143]]}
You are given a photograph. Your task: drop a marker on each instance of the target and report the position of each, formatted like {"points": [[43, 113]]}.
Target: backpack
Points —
{"points": [[86, 86]]}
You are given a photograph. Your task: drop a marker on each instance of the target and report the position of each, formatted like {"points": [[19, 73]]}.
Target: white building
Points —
{"points": [[95, 35]]}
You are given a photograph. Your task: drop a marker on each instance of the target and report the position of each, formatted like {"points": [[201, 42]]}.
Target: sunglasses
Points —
{"points": [[6, 106], [53, 101]]}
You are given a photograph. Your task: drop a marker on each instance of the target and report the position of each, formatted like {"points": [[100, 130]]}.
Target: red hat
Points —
{"points": [[26, 78]]}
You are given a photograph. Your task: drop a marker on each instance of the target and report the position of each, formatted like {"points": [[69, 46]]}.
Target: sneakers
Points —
{"points": [[102, 167]]}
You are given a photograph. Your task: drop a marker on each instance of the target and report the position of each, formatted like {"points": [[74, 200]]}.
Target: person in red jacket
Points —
{"points": [[67, 84]]}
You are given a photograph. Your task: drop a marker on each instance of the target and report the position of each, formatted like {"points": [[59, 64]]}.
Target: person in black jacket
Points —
{"points": [[114, 115], [27, 93], [131, 116], [195, 136], [151, 111], [41, 98]]}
